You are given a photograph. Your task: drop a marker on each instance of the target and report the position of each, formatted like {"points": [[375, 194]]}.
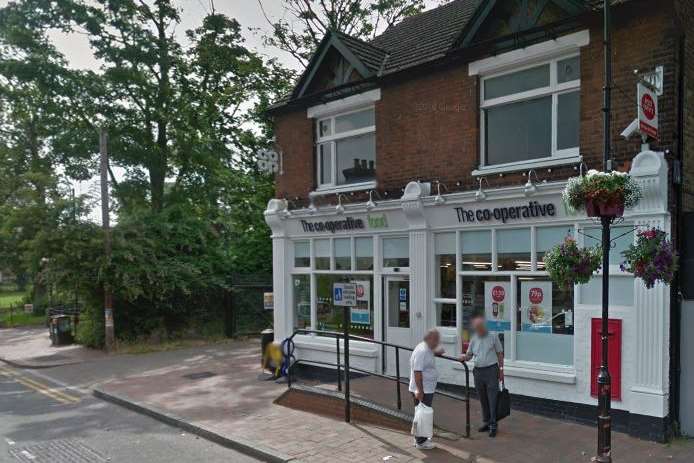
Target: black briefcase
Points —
{"points": [[503, 404]]}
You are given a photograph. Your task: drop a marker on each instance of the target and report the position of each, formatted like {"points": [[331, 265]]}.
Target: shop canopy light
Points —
{"points": [[340, 209], [312, 209], [530, 188], [439, 200], [370, 204], [481, 195]]}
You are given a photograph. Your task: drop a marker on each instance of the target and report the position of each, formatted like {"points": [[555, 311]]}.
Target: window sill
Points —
{"points": [[324, 191], [539, 372], [325, 344], [526, 165]]}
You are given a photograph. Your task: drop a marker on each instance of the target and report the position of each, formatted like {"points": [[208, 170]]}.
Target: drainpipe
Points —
{"points": [[676, 293]]}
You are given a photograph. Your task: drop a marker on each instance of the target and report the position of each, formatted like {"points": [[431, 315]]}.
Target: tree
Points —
{"points": [[175, 113], [37, 138], [310, 20]]}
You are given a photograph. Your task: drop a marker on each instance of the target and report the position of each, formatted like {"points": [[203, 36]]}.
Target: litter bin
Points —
{"points": [[266, 338], [60, 328]]}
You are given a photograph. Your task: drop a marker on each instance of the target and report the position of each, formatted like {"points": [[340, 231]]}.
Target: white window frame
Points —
{"points": [[332, 139], [510, 355], [554, 89]]}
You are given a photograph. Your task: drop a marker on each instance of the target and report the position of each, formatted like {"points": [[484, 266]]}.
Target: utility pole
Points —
{"points": [[105, 221], [74, 223], [604, 380]]}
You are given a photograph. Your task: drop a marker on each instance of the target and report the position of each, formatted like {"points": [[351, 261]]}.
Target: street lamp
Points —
{"points": [[604, 454]]}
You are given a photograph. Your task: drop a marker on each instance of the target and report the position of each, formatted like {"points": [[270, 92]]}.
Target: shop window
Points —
{"points": [[444, 247], [547, 238], [322, 250], [513, 249], [343, 254], [621, 291], [302, 301], [346, 149], [446, 314], [489, 297], [545, 322], [396, 252], [364, 249], [476, 250], [302, 254], [330, 316], [532, 113]]}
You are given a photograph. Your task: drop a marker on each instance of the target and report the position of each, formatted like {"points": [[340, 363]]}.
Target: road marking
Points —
{"points": [[41, 388]]}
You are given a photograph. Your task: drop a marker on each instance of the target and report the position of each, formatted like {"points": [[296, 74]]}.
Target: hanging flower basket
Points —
{"points": [[568, 265], [602, 194], [653, 258]]}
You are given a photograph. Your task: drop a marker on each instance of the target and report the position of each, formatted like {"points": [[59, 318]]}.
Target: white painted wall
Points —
{"points": [[645, 337]]}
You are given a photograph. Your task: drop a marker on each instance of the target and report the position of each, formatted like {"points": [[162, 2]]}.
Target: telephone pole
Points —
{"points": [[106, 225]]}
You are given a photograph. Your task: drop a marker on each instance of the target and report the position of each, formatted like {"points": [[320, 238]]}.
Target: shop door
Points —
{"points": [[397, 321]]}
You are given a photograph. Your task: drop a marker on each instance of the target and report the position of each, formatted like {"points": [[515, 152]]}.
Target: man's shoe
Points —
{"points": [[427, 445], [484, 428], [492, 433]]}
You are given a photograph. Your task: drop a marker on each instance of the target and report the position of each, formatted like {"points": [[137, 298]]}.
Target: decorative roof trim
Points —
{"points": [[572, 7], [330, 40], [537, 52], [345, 104]]}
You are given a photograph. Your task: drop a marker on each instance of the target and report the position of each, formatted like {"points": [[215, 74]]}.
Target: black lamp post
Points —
{"points": [[604, 380]]}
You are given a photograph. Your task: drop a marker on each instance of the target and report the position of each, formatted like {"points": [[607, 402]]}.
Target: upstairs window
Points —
{"points": [[346, 149], [532, 113]]}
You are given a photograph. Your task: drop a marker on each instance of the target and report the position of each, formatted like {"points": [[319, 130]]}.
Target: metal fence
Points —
{"points": [[246, 313]]}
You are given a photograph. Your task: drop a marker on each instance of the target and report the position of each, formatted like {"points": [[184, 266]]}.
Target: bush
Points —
{"points": [[90, 329]]}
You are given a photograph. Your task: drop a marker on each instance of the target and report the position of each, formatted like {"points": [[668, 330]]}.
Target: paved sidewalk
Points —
{"points": [[222, 395], [31, 348]]}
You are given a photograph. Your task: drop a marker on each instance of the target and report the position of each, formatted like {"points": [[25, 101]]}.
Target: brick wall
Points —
{"points": [[334, 407], [685, 14], [427, 127], [295, 135]]}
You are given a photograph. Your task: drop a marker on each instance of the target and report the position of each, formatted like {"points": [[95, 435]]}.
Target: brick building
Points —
{"points": [[427, 166]]}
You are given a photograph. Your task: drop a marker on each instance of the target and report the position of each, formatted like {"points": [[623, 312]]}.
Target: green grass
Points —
{"points": [[16, 316], [11, 298], [19, 318]]}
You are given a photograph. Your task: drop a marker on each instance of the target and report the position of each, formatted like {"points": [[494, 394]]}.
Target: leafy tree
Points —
{"points": [[38, 144], [185, 120], [310, 20]]}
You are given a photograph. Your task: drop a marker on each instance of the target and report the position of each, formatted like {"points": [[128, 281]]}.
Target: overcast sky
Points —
{"points": [[246, 12]]}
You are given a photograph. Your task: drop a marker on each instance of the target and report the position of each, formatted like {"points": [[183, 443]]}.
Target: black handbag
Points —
{"points": [[503, 403]]}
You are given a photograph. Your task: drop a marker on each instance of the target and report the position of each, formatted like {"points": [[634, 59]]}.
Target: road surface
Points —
{"points": [[41, 420]]}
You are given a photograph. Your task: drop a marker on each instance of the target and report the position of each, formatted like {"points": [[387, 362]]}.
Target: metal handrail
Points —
{"points": [[397, 378]]}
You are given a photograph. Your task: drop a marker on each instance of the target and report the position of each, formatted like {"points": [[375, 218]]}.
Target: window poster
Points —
{"points": [[361, 313], [497, 305], [536, 308]]}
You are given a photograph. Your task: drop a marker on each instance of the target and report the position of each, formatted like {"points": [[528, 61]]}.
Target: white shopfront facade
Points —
{"points": [[422, 263]]}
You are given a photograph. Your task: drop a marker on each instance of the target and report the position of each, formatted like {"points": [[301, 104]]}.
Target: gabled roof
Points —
{"points": [[367, 59], [425, 37], [370, 54]]}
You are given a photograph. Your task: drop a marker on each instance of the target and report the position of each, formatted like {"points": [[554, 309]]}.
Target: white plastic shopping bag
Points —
{"points": [[423, 423]]}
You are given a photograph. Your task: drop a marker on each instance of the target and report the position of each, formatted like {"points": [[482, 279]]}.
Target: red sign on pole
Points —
{"points": [[648, 111]]}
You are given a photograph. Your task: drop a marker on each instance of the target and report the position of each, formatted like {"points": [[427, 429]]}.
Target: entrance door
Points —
{"points": [[397, 321]]}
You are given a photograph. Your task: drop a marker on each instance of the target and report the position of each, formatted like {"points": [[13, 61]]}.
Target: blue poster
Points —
{"points": [[403, 294]]}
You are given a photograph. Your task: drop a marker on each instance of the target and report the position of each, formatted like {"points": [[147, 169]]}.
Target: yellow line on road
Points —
{"points": [[41, 388]]}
